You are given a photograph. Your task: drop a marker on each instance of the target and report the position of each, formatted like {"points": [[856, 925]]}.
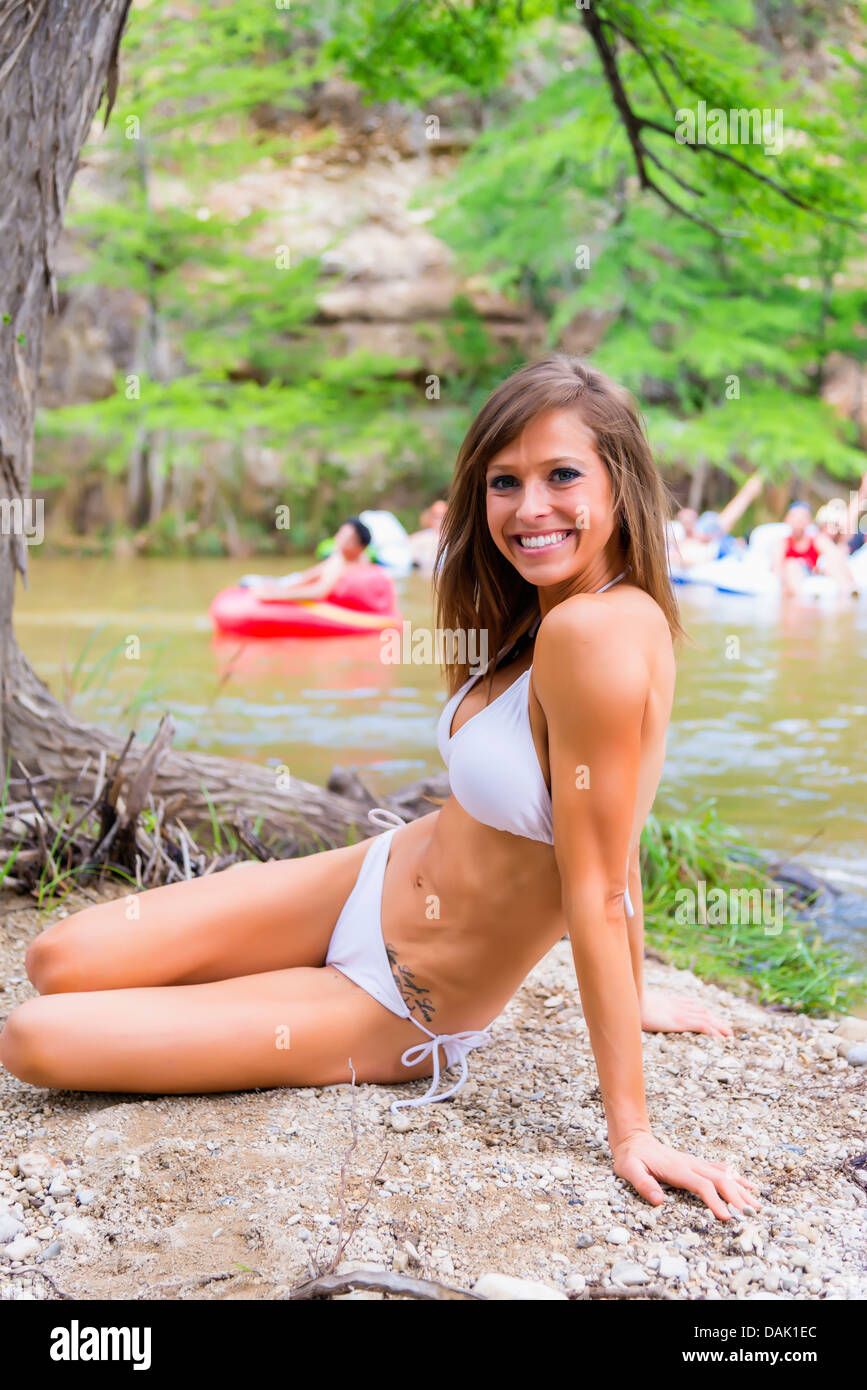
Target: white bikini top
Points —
{"points": [[494, 770]]}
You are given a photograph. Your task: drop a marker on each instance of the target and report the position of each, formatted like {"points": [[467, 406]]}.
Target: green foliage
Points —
{"points": [[794, 966], [761, 286], [706, 262], [226, 350]]}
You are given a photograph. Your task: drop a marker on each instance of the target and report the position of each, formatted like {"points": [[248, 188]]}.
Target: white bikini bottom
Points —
{"points": [[357, 950]]}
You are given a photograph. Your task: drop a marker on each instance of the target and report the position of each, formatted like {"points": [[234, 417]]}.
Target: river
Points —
{"points": [[769, 714]]}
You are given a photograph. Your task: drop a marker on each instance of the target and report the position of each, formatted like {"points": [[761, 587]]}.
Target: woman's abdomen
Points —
{"points": [[467, 911]]}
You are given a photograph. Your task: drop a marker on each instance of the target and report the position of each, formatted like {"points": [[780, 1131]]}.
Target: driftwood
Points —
{"points": [[404, 1285], [115, 820], [382, 1281], [66, 756]]}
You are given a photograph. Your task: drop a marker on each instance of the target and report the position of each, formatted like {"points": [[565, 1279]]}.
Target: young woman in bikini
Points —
{"points": [[393, 950]]}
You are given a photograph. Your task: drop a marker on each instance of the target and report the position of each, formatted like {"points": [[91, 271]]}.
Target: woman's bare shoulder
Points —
{"points": [[603, 658], [626, 611]]}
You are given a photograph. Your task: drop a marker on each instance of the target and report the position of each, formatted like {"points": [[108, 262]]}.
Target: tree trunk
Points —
{"points": [[57, 60]]}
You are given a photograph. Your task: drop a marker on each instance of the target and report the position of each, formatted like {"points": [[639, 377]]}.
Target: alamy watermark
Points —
{"points": [[717, 907], [424, 646], [23, 516], [737, 126]]}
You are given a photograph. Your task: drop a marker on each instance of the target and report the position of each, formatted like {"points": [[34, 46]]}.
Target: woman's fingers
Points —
{"points": [[716, 1189], [719, 1186], [714, 1170], [645, 1184], [704, 1188], [735, 1193]]}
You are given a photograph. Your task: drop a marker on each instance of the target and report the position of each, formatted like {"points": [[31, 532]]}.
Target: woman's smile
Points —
{"points": [[540, 542]]}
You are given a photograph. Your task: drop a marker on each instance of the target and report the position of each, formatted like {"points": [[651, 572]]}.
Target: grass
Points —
{"points": [[81, 678], [789, 963]]}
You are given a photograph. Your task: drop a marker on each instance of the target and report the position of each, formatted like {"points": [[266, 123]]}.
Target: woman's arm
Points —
{"points": [[593, 692], [734, 510], [317, 584], [836, 565], [777, 562], [591, 678]]}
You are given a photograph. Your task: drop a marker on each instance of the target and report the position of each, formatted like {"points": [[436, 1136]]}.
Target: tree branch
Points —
{"points": [[753, 173], [634, 124]]}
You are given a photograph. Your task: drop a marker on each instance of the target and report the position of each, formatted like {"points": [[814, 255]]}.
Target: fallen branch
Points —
{"points": [[381, 1281], [35, 1269]]}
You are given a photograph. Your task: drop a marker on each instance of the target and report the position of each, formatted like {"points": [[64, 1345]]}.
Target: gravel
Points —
{"points": [[133, 1197]]}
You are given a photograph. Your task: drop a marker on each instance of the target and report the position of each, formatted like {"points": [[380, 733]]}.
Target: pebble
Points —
{"points": [[59, 1188], [618, 1235], [10, 1228], [576, 1283], [51, 1251], [21, 1248], [584, 1240], [400, 1122], [857, 1055], [627, 1272], [854, 1029], [504, 1286], [86, 1195], [673, 1267], [36, 1164]]}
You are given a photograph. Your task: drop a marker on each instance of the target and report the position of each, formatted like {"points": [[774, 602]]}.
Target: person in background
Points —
{"points": [[317, 582], [833, 521], [841, 522], [696, 539], [799, 553], [424, 543]]}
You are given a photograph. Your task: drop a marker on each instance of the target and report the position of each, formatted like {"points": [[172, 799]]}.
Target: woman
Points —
{"points": [[279, 975], [424, 543], [801, 551], [697, 539], [317, 582]]}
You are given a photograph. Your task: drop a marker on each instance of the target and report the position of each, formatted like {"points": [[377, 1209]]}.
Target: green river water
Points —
{"points": [[769, 715]]}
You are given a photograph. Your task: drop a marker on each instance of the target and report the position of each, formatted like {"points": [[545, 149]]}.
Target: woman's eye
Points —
{"points": [[563, 475]]}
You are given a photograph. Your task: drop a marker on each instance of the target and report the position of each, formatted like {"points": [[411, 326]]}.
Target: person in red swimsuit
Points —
{"points": [[799, 553]]}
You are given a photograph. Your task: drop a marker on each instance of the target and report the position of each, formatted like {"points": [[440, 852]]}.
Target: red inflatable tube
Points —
{"points": [[364, 599]]}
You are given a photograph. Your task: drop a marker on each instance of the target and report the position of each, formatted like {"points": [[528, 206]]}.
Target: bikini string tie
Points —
{"points": [[419, 1051]]}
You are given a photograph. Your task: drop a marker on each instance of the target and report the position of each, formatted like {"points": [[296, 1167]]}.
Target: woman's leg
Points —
{"points": [[296, 1027], [241, 921]]}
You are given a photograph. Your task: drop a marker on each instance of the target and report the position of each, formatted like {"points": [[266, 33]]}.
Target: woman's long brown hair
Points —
{"points": [[476, 588]]}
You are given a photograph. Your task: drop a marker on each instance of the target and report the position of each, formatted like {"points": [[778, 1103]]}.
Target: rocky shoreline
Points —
{"points": [[240, 1195]]}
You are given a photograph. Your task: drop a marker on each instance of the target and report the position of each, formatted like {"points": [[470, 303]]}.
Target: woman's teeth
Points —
{"points": [[539, 542]]}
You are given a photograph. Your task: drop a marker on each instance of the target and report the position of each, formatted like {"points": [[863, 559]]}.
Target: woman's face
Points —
{"points": [[549, 500], [798, 519]]}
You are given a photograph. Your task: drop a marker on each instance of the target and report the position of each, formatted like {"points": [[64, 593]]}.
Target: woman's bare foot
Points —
{"points": [[669, 1013]]}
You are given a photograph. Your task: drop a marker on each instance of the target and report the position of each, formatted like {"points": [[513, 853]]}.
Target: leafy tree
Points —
{"points": [[725, 274], [227, 350]]}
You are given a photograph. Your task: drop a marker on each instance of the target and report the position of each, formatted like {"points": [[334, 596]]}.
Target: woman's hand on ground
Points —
{"points": [[645, 1162]]}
